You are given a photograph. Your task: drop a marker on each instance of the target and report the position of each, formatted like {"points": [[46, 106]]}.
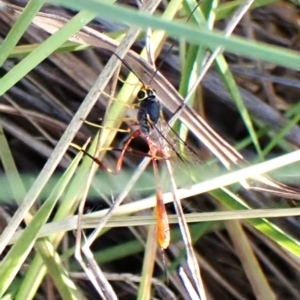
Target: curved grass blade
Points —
{"points": [[201, 36], [19, 252], [19, 28]]}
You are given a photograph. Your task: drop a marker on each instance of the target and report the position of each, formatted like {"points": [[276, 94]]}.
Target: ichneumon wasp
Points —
{"points": [[147, 122], [147, 118], [148, 115], [153, 130]]}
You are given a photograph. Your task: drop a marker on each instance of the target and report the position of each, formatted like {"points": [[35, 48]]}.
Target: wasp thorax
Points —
{"points": [[148, 110]]}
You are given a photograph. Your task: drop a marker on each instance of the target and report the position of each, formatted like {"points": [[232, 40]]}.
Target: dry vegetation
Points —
{"points": [[37, 109]]}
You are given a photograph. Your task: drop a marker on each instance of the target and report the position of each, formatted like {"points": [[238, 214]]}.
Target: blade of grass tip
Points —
{"points": [[18, 28], [15, 181], [19, 252], [73, 127], [258, 281], [37, 269]]}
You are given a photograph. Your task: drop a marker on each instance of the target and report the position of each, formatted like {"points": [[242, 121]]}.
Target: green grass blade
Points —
{"points": [[226, 9], [14, 179], [44, 50], [281, 133], [19, 252], [19, 28], [201, 36], [24, 50], [67, 207], [232, 87], [266, 227]]}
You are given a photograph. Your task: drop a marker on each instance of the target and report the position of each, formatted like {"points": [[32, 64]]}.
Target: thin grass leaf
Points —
{"points": [[266, 227], [200, 36], [37, 269], [19, 252], [248, 260], [229, 81], [226, 9], [13, 177], [59, 274], [24, 50], [44, 50], [19, 192], [281, 133], [19, 28]]}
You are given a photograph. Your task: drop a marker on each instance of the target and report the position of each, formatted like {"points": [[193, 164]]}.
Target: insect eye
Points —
{"points": [[141, 95]]}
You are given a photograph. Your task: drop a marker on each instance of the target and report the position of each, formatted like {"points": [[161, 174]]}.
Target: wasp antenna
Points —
{"points": [[171, 47], [161, 63], [194, 9], [129, 68]]}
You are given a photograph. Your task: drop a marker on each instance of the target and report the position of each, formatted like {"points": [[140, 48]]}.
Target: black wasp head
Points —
{"points": [[145, 93]]}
